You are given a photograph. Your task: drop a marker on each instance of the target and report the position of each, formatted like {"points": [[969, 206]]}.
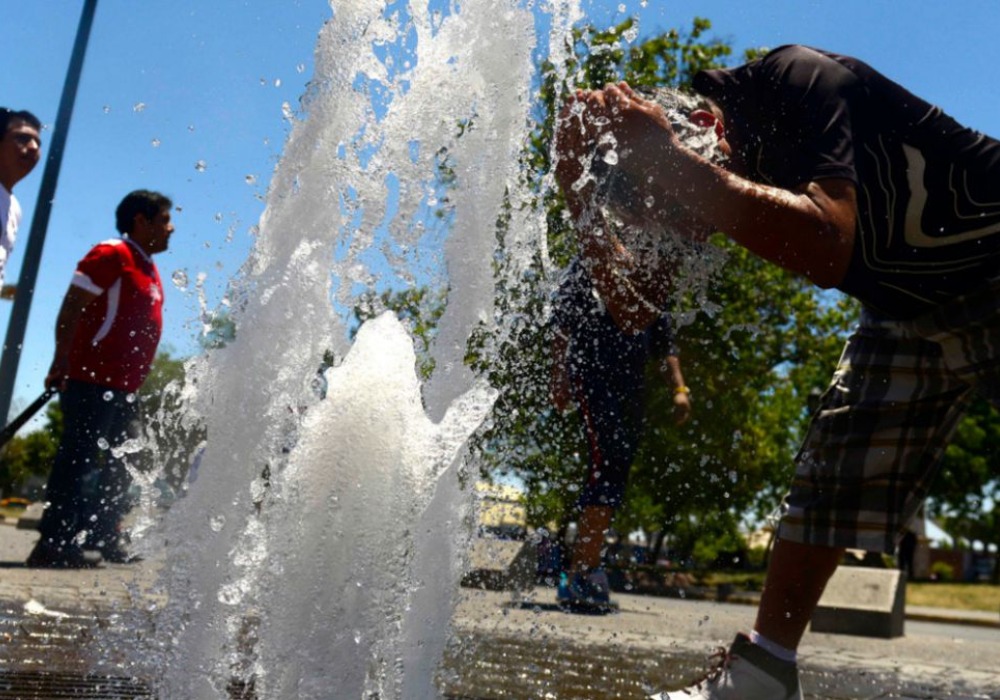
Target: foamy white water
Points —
{"points": [[334, 576]]}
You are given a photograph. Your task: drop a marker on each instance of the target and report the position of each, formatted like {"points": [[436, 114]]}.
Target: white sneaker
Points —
{"points": [[745, 672]]}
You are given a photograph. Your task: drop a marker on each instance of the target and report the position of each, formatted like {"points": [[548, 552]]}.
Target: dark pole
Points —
{"points": [[40, 221]]}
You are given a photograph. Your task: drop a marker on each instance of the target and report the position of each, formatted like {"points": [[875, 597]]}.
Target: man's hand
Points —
{"points": [[682, 407], [642, 132], [56, 378]]}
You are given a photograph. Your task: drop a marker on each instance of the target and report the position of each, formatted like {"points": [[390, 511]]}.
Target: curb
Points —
{"points": [[958, 619]]}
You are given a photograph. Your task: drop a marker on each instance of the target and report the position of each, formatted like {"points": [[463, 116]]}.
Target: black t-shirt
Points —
{"points": [[928, 188], [599, 353]]}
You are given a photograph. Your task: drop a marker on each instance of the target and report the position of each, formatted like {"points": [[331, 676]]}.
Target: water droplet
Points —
{"points": [[180, 279], [190, 127], [301, 68], [155, 143], [108, 396], [217, 522], [106, 109], [200, 166], [131, 397], [611, 157], [139, 107], [103, 444], [286, 111], [357, 636], [251, 179], [621, 7], [277, 82]]}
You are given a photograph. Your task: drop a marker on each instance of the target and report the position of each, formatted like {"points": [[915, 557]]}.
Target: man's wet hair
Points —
{"points": [[145, 202], [12, 115]]}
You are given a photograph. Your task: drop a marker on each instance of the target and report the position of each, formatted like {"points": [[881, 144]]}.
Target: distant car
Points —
{"points": [[14, 502]]}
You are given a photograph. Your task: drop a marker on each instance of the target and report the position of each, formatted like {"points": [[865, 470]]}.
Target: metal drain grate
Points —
{"points": [[47, 685]]}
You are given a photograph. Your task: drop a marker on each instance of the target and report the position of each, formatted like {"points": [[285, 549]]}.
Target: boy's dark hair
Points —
{"points": [[9, 115], [145, 202]]}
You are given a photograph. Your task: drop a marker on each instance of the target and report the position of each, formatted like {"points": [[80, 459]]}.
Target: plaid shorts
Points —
{"points": [[875, 444]]}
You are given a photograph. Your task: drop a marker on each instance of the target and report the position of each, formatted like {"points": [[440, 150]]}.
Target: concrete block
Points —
{"points": [[501, 565], [864, 602], [31, 516]]}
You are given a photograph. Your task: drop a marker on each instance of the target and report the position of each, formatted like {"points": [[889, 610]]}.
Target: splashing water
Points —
{"points": [[321, 544]]}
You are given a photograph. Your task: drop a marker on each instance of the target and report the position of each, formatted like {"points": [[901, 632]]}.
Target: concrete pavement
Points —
{"points": [[528, 648], [504, 646]]}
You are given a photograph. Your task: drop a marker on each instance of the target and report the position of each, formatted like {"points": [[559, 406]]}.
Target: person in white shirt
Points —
{"points": [[20, 151]]}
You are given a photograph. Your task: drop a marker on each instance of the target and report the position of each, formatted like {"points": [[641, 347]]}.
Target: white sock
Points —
{"points": [[773, 649]]}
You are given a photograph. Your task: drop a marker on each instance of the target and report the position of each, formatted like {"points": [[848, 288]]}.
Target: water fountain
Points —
{"points": [[322, 542]]}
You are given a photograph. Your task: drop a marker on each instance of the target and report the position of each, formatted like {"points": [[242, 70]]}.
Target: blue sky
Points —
{"points": [[169, 85]]}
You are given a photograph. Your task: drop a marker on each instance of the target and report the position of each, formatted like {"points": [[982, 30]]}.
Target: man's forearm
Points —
{"points": [[670, 370], [75, 301], [809, 232], [66, 323]]}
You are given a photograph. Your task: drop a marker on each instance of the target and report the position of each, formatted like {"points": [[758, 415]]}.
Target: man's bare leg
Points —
{"points": [[796, 577], [594, 523]]}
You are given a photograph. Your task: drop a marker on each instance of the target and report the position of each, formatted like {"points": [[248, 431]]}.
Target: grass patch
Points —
{"points": [[743, 580], [954, 596]]}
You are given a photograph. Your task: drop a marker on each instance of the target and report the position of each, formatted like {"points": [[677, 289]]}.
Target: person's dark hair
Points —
{"points": [[9, 115], [145, 202]]}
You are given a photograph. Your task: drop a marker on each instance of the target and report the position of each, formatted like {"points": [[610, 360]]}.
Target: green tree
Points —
{"points": [[970, 479], [31, 455]]}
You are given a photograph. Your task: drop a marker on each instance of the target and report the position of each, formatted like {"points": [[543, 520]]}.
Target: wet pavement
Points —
{"points": [[68, 634], [531, 649]]}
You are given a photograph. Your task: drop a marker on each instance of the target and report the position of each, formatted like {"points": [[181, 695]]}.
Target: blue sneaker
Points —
{"points": [[584, 591]]}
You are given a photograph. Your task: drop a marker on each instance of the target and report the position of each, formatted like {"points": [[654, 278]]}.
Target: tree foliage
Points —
{"points": [[31, 455], [970, 479]]}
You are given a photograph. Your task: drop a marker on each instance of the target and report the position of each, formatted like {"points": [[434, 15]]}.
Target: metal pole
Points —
{"points": [[40, 221]]}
